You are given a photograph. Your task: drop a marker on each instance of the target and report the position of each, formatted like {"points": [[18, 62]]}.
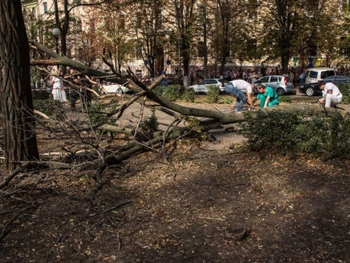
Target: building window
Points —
{"points": [[45, 7]]}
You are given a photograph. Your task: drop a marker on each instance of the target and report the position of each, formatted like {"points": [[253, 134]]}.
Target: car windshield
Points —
{"points": [[328, 73]]}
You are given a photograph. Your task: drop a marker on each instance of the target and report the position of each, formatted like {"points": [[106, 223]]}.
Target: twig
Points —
{"points": [[7, 179], [3, 232], [165, 136], [119, 240], [10, 193], [110, 209], [59, 240], [140, 116]]}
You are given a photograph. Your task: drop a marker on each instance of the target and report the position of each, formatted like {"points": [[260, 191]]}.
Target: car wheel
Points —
{"points": [[120, 91], [280, 91], [309, 92]]}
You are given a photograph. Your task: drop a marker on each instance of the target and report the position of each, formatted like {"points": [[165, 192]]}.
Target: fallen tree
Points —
{"points": [[90, 153]]}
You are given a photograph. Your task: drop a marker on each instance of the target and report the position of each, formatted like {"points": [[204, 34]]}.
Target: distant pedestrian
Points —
{"points": [[164, 81], [302, 77], [57, 88], [74, 90], [86, 94]]}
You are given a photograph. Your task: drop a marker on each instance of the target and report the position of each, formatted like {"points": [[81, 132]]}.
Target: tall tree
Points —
{"points": [[296, 27], [183, 15], [15, 96]]}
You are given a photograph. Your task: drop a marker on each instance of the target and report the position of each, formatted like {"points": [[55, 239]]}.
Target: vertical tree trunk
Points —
{"points": [[15, 90]]}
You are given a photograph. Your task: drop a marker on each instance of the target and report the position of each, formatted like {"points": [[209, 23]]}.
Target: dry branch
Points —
{"points": [[3, 232]]}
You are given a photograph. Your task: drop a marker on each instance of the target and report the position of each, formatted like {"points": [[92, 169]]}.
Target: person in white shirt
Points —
{"points": [[331, 94], [246, 87], [58, 89]]}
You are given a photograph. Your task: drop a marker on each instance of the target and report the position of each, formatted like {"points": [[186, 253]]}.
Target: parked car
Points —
{"points": [[116, 88], [314, 75], [202, 86], [312, 89], [278, 82]]}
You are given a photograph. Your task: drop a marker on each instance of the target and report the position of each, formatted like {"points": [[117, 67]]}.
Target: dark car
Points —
{"points": [[313, 89]]}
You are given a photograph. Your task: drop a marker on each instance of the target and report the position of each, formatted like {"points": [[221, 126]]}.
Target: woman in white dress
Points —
{"points": [[58, 89]]}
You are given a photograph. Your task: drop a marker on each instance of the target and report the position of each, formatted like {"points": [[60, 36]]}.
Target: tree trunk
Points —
{"points": [[15, 96]]}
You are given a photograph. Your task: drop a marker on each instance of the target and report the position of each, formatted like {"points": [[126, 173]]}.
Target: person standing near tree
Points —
{"points": [[57, 88], [86, 94], [74, 90], [302, 77], [164, 81]]}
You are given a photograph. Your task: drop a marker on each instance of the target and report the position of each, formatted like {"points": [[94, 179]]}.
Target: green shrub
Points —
{"points": [[40, 95], [285, 99], [228, 101], [99, 110], [149, 125], [344, 89], [171, 92], [272, 131], [213, 94], [49, 107], [346, 100], [188, 95], [292, 132]]}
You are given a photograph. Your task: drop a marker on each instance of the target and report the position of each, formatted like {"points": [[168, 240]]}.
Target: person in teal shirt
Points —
{"points": [[267, 96]]}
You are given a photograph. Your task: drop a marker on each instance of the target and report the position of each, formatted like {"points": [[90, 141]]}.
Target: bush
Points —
{"points": [[49, 107], [345, 90], [188, 95], [285, 99], [171, 92], [149, 125], [290, 132], [273, 131], [40, 95], [228, 100], [213, 94]]}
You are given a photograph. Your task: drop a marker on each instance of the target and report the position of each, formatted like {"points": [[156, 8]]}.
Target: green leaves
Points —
{"points": [[293, 132]]}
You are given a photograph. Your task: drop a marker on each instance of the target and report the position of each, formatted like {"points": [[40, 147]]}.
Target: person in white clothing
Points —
{"points": [[331, 94], [58, 89], [246, 87]]}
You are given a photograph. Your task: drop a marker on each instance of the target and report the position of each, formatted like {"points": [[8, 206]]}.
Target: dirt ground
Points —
{"points": [[209, 202]]}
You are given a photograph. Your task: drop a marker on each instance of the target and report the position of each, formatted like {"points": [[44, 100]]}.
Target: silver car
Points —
{"points": [[278, 82], [202, 86]]}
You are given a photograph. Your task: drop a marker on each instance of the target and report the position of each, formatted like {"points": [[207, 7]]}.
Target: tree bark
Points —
{"points": [[16, 97]]}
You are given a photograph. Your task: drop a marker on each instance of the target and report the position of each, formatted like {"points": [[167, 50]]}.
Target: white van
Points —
{"points": [[314, 75]]}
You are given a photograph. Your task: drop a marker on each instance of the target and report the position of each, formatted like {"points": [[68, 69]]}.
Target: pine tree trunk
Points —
{"points": [[15, 94]]}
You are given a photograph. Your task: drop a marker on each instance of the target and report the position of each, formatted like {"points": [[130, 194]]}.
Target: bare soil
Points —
{"points": [[210, 202]]}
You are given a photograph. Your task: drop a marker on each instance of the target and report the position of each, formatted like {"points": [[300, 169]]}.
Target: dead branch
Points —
{"points": [[3, 232], [110, 209], [41, 114], [7, 179]]}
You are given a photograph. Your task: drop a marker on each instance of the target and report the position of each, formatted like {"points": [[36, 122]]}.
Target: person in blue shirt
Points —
{"points": [[267, 96], [164, 81]]}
